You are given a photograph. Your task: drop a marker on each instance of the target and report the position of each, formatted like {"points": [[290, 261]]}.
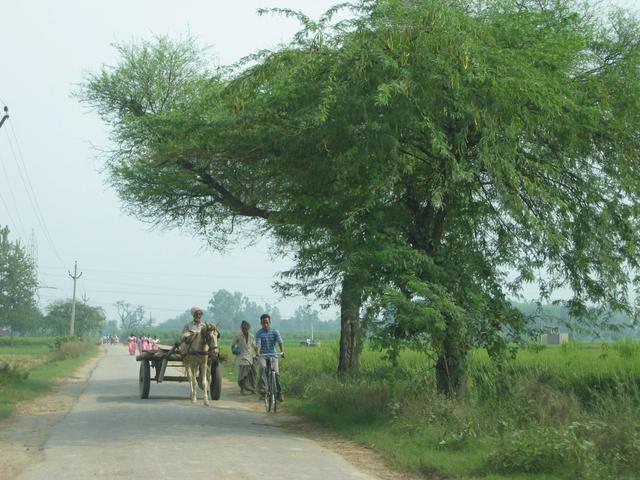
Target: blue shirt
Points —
{"points": [[266, 341]]}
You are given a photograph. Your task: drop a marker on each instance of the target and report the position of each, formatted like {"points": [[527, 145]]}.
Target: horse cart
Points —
{"points": [[170, 357]]}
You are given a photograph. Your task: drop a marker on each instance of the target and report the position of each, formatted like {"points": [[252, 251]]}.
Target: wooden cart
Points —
{"points": [[168, 357]]}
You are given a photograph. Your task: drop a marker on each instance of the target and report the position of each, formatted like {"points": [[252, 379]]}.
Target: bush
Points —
{"points": [[546, 450], [11, 373], [69, 347]]}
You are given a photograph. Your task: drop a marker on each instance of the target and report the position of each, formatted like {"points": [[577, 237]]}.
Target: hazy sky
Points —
{"points": [[48, 149]]}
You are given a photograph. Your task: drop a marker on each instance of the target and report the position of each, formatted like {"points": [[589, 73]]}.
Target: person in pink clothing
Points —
{"points": [[145, 343], [132, 344]]}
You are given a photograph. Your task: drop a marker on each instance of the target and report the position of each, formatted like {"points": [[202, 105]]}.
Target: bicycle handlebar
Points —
{"points": [[278, 354]]}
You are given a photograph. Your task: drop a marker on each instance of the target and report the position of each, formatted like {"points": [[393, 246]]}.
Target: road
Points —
{"points": [[111, 433]]}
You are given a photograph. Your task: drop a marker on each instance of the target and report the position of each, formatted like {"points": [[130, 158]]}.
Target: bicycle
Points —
{"points": [[270, 396]]}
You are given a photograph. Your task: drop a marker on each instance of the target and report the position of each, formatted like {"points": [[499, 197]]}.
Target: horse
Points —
{"points": [[196, 349]]}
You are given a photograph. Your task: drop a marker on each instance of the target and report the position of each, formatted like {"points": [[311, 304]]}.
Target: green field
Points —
{"points": [[551, 413], [32, 366]]}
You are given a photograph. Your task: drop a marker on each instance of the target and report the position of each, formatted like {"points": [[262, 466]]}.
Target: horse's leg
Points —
{"points": [[205, 380], [193, 384]]}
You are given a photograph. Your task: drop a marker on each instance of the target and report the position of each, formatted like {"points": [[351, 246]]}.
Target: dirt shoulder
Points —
{"points": [[365, 459], [22, 435]]}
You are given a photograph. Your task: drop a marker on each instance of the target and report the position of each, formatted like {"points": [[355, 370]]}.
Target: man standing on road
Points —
{"points": [[244, 348], [266, 340]]}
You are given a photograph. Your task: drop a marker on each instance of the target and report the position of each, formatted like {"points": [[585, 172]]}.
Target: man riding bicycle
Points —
{"points": [[266, 340]]}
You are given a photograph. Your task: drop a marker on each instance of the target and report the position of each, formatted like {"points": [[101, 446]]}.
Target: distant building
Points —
{"points": [[554, 337]]}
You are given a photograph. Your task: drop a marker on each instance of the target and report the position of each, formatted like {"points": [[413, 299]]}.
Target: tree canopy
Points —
{"points": [[412, 157], [88, 320], [18, 285]]}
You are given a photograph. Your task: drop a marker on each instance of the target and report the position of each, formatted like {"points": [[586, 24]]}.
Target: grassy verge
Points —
{"points": [[30, 370], [560, 413]]}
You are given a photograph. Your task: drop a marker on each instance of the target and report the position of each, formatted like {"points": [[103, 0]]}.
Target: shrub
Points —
{"points": [[11, 373], [546, 450], [69, 347]]}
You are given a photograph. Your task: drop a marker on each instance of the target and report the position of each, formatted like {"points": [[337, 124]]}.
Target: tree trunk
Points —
{"points": [[451, 363], [350, 302]]}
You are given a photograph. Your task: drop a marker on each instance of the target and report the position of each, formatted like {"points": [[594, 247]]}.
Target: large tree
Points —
{"points": [[18, 285], [187, 155], [413, 157], [506, 140]]}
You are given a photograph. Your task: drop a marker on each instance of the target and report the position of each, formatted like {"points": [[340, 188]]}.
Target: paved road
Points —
{"points": [[113, 434]]}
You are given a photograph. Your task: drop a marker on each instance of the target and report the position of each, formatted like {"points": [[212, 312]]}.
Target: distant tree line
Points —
{"points": [[229, 310], [19, 313]]}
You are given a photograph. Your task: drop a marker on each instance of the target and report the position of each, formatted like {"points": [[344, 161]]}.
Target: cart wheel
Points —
{"points": [[145, 378], [216, 381]]}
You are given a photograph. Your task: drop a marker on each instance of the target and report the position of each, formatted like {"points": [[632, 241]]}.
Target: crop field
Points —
{"points": [[32, 365], [570, 411]]}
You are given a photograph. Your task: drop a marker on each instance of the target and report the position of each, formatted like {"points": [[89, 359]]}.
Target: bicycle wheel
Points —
{"points": [[267, 395], [274, 383]]}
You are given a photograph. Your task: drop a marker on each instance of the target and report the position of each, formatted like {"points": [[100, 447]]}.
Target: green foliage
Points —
{"points": [[627, 348], [89, 321], [12, 373], [69, 347], [542, 413], [42, 375], [547, 450], [18, 283], [411, 156], [228, 310]]}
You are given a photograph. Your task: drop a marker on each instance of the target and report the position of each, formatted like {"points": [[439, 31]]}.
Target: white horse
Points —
{"points": [[196, 350]]}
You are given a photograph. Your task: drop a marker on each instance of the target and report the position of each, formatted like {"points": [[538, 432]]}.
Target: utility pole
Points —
{"points": [[6, 115], [75, 277]]}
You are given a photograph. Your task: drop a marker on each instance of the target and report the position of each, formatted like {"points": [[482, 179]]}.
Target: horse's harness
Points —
{"points": [[212, 352]]}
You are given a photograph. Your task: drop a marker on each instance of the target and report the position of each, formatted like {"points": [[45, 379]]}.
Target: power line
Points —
{"points": [[15, 202], [173, 274], [13, 222], [33, 199], [101, 280]]}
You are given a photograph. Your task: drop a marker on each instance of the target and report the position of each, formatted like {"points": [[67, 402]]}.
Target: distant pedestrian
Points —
{"points": [[132, 344], [244, 348]]}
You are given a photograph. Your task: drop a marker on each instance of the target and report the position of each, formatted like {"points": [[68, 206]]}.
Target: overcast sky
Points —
{"points": [[50, 180], [48, 149]]}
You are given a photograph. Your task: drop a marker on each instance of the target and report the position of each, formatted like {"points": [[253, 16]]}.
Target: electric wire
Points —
{"points": [[170, 274], [21, 230], [33, 200]]}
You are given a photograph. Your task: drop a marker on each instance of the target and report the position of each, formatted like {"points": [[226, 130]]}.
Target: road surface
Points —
{"points": [[111, 433]]}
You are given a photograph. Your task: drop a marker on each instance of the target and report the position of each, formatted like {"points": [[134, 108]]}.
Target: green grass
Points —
{"points": [[30, 370], [565, 412]]}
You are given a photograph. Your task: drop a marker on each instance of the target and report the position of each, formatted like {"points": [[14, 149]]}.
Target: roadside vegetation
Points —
{"points": [[565, 412], [33, 365]]}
